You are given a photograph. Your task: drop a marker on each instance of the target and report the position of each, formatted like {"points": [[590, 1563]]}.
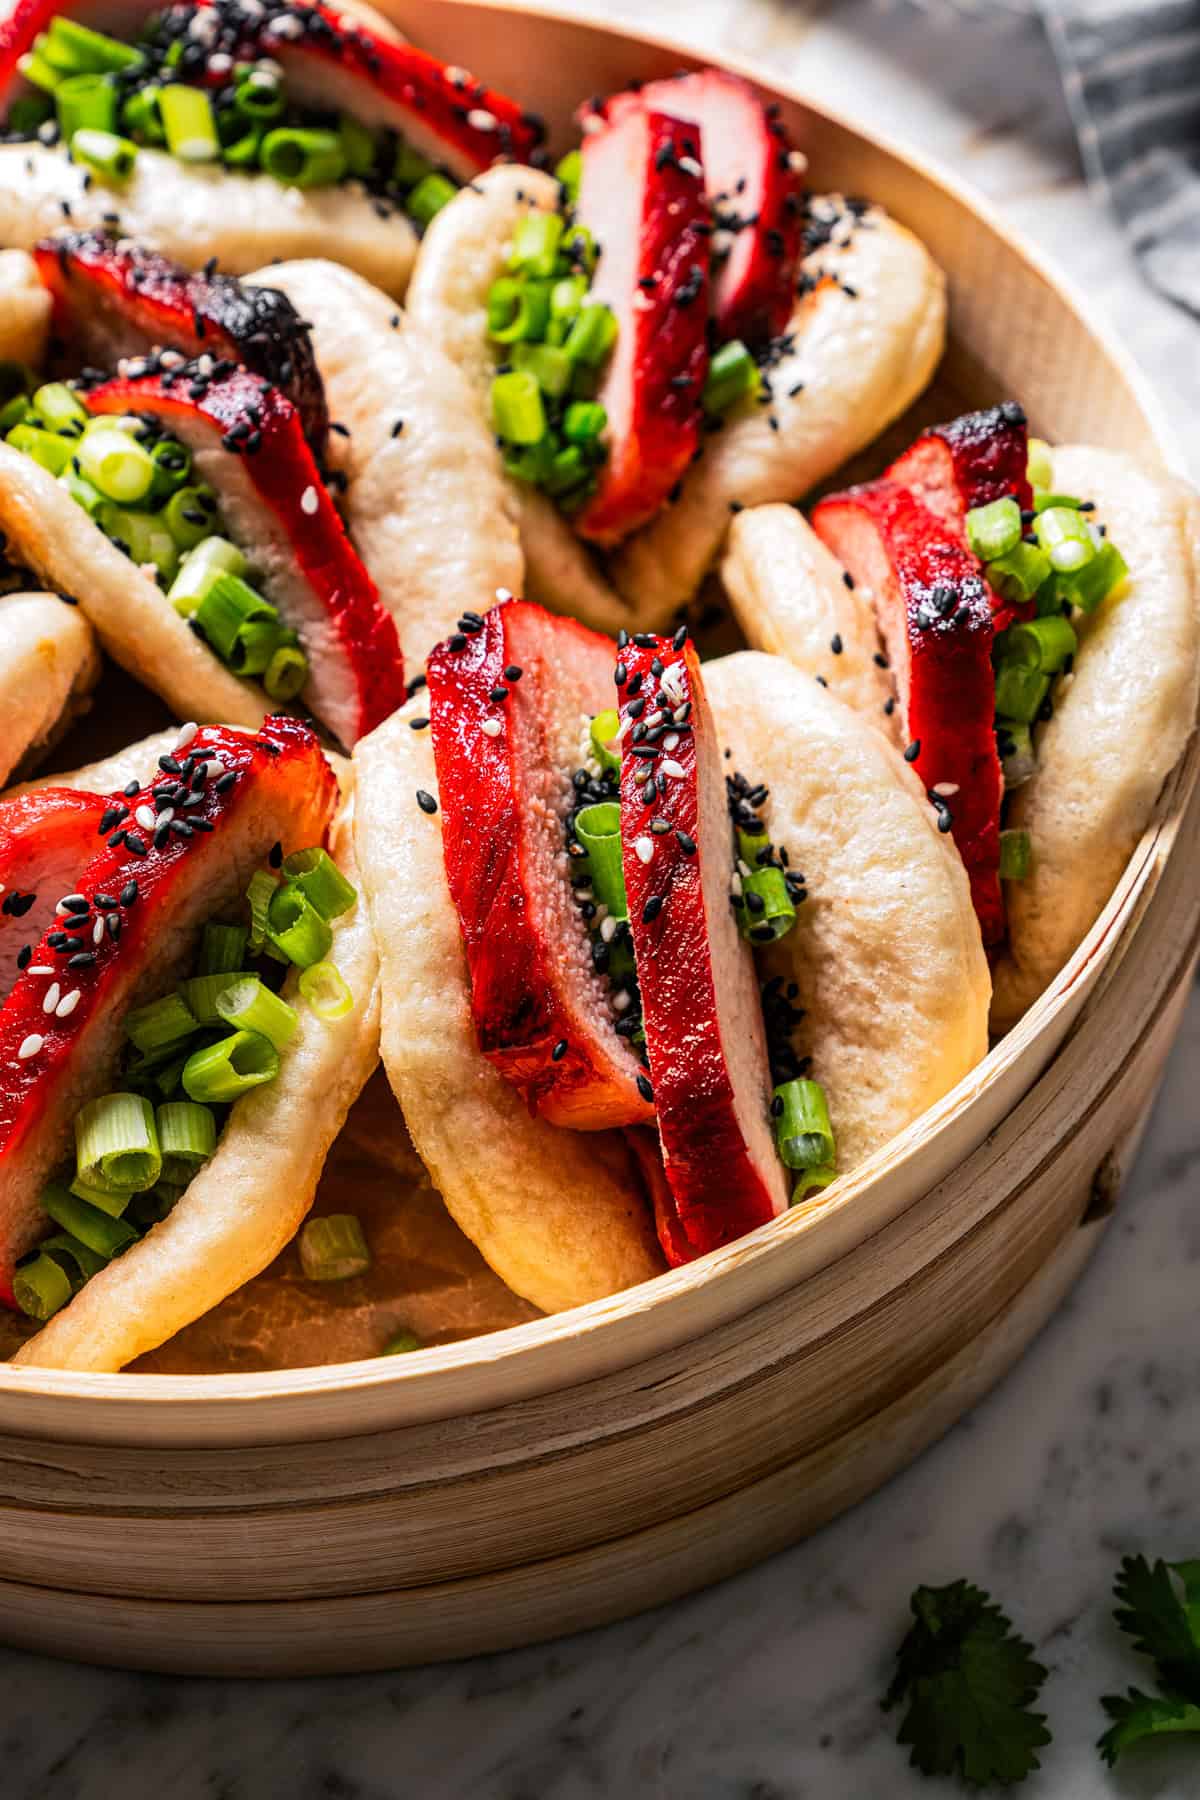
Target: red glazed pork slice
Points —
{"points": [[115, 299], [54, 1062], [506, 745], [642, 197], [45, 837], [935, 616], [247, 441], [754, 181], [700, 1002]]}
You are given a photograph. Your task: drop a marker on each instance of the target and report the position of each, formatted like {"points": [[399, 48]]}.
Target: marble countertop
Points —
{"points": [[767, 1687]]}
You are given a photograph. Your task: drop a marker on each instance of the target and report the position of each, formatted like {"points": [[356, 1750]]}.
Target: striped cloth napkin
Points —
{"points": [[1131, 69]]}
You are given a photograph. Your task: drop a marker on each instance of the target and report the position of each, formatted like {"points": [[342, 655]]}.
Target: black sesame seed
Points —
{"points": [[835, 643], [418, 724], [83, 960], [224, 782], [275, 855], [620, 674], [513, 672], [686, 844], [498, 694], [134, 844], [648, 793], [129, 892], [652, 908], [912, 751], [889, 706], [24, 956], [112, 925], [559, 1050], [848, 578], [458, 641], [426, 802], [880, 660], [644, 1088], [680, 638]]}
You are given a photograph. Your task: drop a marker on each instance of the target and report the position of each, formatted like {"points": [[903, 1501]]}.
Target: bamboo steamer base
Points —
{"points": [[570, 1471]]}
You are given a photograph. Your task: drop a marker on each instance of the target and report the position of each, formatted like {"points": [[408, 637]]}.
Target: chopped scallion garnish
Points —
{"points": [[1015, 855], [333, 1248], [225, 1071], [249, 1005], [320, 880], [324, 991], [116, 1142]]}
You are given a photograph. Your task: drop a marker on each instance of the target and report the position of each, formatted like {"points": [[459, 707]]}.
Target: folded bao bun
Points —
{"points": [[24, 310], [194, 211], [428, 507], [1120, 722], [562, 1216], [49, 665], [886, 951], [790, 597], [251, 1198], [864, 339], [462, 254]]}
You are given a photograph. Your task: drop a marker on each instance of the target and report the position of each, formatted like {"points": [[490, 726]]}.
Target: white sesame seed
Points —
{"points": [[214, 767], [66, 905], [479, 119], [670, 767], [503, 594], [797, 162], [68, 1003], [30, 1047], [608, 929], [40, 969], [735, 883], [186, 734], [947, 789], [622, 1000], [491, 728], [166, 815], [671, 741], [145, 818], [51, 997], [645, 848], [690, 166], [308, 500], [172, 359], [98, 931], [744, 869], [456, 76], [583, 893]]}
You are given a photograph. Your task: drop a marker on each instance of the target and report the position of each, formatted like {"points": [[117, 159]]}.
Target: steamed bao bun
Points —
{"points": [[1121, 721], [885, 951]]}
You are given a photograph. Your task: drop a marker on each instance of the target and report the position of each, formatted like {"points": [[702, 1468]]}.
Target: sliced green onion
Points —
{"points": [[83, 493], [187, 1135], [113, 460], [427, 199], [812, 1181], [41, 1287], [172, 466], [147, 1210], [223, 949], [249, 1005], [517, 412], [535, 243], [258, 897], [286, 674], [224, 1072], [592, 335], [1042, 502], [1015, 855], [91, 49], [1043, 644], [401, 1343], [567, 296], [324, 991], [776, 912], [1015, 744], [85, 102], [58, 55], [200, 568], [141, 116], [803, 1133], [245, 151], [584, 422], [1063, 534], [59, 408], [78, 1261], [259, 96], [101, 1233], [28, 111], [598, 829], [603, 735], [110, 1200], [532, 464], [202, 992], [359, 146], [409, 167], [333, 1248], [109, 155], [732, 376], [1019, 574], [189, 123], [569, 171], [37, 70], [579, 248], [995, 529], [1040, 467], [550, 368], [142, 535], [254, 647], [1089, 586], [1020, 692], [518, 311], [296, 928], [303, 158], [320, 880], [226, 609], [189, 515], [161, 1025], [46, 448], [116, 1144]]}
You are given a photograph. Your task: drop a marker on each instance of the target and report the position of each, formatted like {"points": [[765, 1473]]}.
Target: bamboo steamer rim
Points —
{"points": [[547, 1354]]}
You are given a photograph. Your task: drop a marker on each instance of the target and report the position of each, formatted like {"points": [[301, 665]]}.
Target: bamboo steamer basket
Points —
{"points": [[572, 1470]]}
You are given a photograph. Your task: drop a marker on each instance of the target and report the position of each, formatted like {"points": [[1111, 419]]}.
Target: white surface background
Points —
{"points": [[767, 1688]]}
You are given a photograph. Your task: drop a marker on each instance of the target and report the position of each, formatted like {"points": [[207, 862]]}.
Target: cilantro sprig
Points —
{"points": [[1160, 1610], [970, 1682]]}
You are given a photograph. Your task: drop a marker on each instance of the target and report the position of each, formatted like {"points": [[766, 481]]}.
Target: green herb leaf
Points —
{"points": [[1137, 1716], [1163, 1625], [969, 1681]]}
